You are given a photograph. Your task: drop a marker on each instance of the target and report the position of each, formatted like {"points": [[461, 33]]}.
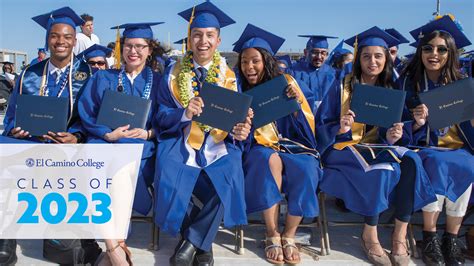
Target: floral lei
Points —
{"points": [[187, 81]]}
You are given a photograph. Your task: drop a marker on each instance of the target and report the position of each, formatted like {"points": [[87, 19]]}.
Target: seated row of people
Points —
{"points": [[203, 175]]}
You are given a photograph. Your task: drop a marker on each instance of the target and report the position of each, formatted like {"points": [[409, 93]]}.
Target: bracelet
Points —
{"points": [[147, 135]]}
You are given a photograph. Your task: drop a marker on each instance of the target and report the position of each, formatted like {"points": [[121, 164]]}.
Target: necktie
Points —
{"points": [[201, 74], [200, 156]]}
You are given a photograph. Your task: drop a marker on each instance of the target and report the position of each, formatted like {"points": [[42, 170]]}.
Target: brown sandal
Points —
{"points": [[400, 259], [374, 258], [289, 242], [273, 243], [125, 249]]}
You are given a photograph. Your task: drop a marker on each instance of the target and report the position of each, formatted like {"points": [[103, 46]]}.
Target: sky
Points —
{"points": [[286, 18]]}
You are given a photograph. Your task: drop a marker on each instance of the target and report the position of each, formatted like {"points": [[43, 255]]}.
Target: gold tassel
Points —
{"points": [[183, 47], [189, 29], [356, 47], [117, 49]]}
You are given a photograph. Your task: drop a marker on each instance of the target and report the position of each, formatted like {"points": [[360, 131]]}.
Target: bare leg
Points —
{"points": [[399, 238], [291, 225], [271, 215], [115, 253], [453, 224], [429, 221], [369, 235]]}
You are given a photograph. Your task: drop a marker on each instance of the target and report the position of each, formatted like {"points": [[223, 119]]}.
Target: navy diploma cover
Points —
{"points": [[40, 114], [223, 108], [377, 106], [120, 109], [450, 104], [270, 102]]}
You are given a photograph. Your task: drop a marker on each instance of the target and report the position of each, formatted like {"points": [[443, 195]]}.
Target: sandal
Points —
{"points": [[400, 259], [273, 243], [375, 258], [289, 242]]}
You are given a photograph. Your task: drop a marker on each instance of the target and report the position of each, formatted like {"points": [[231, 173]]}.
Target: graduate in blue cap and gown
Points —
{"points": [[284, 61], [397, 63], [41, 56], [136, 78], [199, 178], [268, 170], [96, 57], [341, 60], [369, 189], [451, 166], [62, 75], [316, 76]]}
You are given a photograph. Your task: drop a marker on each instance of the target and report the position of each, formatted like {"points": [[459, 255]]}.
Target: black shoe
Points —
{"points": [[452, 251], [204, 258], [8, 252], [431, 253], [184, 256]]}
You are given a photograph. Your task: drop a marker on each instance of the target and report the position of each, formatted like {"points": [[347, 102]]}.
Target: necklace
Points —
{"points": [[148, 84], [187, 81]]}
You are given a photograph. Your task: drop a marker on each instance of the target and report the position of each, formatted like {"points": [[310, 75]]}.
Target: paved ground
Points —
{"points": [[345, 244]]}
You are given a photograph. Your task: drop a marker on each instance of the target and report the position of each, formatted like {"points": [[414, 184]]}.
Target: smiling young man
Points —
{"points": [[48, 78], [316, 77], [199, 176]]}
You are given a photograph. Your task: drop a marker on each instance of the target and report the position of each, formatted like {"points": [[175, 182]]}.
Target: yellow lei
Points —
{"points": [[182, 89]]}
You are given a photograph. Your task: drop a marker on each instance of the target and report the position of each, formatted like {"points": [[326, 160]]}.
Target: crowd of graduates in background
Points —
{"points": [[203, 176]]}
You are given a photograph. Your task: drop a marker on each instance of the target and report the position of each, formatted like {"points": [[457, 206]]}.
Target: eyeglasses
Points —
{"points": [[315, 53], [98, 63], [138, 47], [429, 49]]}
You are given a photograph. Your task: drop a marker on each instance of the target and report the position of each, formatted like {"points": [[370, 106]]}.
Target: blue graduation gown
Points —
{"points": [[366, 193], [451, 171], [315, 82], [301, 172], [175, 180], [89, 106], [30, 80]]}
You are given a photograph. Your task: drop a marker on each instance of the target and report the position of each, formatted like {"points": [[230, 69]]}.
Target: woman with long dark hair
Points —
{"points": [[135, 78], [447, 153], [268, 169], [367, 189]]}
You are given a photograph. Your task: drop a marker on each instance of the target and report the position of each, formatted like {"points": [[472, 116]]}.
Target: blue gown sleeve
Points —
{"points": [[89, 104], [167, 119], [9, 119], [328, 120]]}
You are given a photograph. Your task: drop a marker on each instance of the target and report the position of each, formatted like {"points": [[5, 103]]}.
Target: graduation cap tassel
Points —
{"points": [[117, 49], [356, 46], [189, 29], [183, 46]]}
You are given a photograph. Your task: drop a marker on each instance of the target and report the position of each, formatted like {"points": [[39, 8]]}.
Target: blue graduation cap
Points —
{"points": [[373, 37], [285, 59], [41, 50], [95, 51], [414, 44], [317, 41], [395, 33], [64, 15], [137, 30], [185, 40], [445, 24], [254, 36], [206, 15]]}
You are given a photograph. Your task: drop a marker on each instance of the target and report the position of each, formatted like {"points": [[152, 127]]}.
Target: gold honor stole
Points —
{"points": [[358, 130], [196, 135], [451, 139], [267, 135]]}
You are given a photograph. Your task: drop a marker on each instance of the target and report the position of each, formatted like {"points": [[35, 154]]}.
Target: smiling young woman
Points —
{"points": [[451, 172]]}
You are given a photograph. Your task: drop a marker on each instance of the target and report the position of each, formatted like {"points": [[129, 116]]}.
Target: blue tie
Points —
{"points": [[200, 157], [201, 74]]}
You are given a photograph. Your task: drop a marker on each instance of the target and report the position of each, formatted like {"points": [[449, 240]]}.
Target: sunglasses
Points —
{"points": [[429, 49], [93, 63]]}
